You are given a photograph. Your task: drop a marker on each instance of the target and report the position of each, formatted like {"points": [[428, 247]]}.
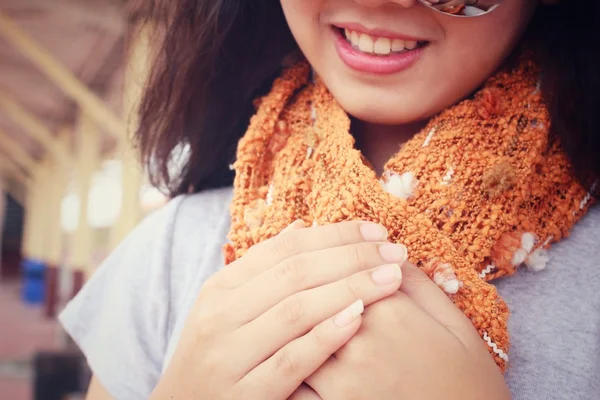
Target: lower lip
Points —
{"points": [[359, 61]]}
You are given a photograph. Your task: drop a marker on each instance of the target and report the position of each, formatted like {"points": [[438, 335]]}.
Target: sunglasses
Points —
{"points": [[462, 8]]}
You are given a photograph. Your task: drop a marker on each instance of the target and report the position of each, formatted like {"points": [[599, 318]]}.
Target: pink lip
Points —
{"points": [[373, 64]]}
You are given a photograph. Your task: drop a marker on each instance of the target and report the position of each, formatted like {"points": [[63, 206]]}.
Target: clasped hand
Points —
{"points": [[414, 344], [285, 321]]}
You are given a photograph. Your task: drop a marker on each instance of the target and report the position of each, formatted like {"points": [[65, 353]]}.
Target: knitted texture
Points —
{"points": [[480, 191]]}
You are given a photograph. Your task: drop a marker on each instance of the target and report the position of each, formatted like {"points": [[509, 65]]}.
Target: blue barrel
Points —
{"points": [[34, 284]]}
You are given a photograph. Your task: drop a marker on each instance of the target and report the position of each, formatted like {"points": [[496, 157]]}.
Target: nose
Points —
{"points": [[378, 3]]}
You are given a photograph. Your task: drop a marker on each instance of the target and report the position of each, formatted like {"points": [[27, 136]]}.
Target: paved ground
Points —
{"points": [[23, 331]]}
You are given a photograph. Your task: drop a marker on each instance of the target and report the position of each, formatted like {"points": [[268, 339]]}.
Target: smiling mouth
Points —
{"points": [[378, 45]]}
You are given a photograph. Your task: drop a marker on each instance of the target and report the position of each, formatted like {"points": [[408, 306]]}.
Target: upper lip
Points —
{"points": [[377, 32]]}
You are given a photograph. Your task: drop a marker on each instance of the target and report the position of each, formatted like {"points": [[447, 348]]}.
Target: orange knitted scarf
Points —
{"points": [[480, 191]]}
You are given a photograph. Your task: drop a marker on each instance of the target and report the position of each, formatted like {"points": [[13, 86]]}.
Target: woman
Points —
{"points": [[496, 120]]}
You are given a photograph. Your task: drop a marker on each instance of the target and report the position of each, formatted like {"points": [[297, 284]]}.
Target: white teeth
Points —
{"points": [[354, 39], [365, 43], [382, 46], [397, 45], [410, 44], [378, 45]]}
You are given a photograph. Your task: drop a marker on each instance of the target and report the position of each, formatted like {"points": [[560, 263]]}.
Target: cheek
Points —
{"points": [[468, 55], [303, 20], [473, 51], [488, 37]]}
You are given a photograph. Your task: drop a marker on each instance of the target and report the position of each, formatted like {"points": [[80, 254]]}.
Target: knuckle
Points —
{"points": [[291, 271], [210, 317], [322, 338], [210, 301], [353, 286], [290, 311], [414, 274], [357, 255], [285, 246], [213, 284], [284, 363], [204, 333], [210, 285], [205, 326], [339, 232]]}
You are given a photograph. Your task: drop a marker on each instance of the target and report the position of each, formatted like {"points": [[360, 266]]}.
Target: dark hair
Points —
{"points": [[217, 56]]}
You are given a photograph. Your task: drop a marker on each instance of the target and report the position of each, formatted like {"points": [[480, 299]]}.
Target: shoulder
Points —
{"points": [[195, 214], [199, 232], [184, 239], [183, 209], [182, 230], [205, 203], [554, 313], [200, 216]]}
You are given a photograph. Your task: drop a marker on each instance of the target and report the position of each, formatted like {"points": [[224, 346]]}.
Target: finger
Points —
{"points": [[299, 313], [283, 372], [297, 224], [309, 270], [414, 333], [433, 300], [304, 392], [325, 379], [271, 252]]}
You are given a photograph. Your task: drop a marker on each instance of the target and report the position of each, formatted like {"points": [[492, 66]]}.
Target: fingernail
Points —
{"points": [[393, 252], [387, 274], [297, 224], [373, 232], [344, 318]]}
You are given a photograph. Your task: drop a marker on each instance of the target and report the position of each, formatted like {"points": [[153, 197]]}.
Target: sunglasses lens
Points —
{"points": [[462, 8]]}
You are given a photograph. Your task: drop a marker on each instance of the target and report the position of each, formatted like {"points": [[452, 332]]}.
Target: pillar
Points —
{"points": [[87, 160], [29, 210], [35, 289], [52, 245], [131, 183], [39, 212]]}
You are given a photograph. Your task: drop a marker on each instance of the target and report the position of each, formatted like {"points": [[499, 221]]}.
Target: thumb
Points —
{"points": [[434, 301]]}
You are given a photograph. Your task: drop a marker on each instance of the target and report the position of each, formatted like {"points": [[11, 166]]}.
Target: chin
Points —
{"points": [[384, 114]]}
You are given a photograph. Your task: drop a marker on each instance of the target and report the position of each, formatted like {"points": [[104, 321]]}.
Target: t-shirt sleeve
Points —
{"points": [[120, 318]]}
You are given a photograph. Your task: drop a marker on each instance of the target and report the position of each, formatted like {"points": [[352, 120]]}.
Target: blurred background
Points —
{"points": [[71, 186]]}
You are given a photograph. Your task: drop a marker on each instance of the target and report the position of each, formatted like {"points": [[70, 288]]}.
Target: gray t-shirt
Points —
{"points": [[128, 318]]}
